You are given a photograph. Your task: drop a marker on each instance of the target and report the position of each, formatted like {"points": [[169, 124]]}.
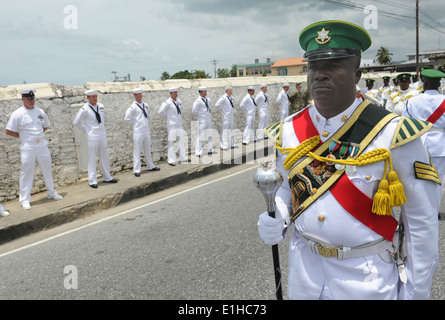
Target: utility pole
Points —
{"points": [[214, 66], [417, 38]]}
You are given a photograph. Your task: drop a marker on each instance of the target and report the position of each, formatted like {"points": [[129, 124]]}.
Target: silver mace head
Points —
{"points": [[268, 180]]}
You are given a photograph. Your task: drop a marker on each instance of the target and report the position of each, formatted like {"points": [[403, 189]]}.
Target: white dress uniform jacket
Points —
{"points": [[226, 104], [249, 105], [141, 133], [34, 147], [422, 107], [86, 121], [283, 101], [313, 276], [399, 100], [172, 111], [262, 101], [202, 109]]}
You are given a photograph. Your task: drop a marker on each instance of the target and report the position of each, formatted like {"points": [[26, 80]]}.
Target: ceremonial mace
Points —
{"points": [[269, 180]]}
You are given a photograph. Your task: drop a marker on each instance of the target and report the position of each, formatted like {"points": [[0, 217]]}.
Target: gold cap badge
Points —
{"points": [[323, 36]]}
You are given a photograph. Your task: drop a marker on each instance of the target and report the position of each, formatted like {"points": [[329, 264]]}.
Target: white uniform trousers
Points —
{"points": [[439, 164], [249, 131], [29, 153], [264, 119], [176, 134], [204, 133], [142, 140], [227, 133], [314, 277], [284, 112], [95, 147]]}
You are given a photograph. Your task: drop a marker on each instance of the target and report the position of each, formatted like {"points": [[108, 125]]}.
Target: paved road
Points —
{"points": [[195, 241]]}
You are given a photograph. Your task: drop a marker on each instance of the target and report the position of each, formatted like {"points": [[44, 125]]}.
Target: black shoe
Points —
{"points": [[94, 186], [111, 181], [154, 169], [172, 164], [137, 174]]}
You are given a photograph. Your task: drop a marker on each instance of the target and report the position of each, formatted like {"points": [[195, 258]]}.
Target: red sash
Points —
{"points": [[352, 199], [438, 113]]}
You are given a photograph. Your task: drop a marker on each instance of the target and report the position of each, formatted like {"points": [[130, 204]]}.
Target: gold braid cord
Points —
{"points": [[390, 193]]}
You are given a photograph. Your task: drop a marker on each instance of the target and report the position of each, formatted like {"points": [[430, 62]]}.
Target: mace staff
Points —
{"points": [[268, 180]]}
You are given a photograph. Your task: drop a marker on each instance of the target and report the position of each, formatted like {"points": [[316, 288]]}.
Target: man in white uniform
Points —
{"points": [[249, 105], [262, 101], [226, 105], [385, 91], [202, 110], [430, 106], [138, 115], [171, 109], [91, 120], [401, 97], [29, 124], [342, 246], [283, 101]]}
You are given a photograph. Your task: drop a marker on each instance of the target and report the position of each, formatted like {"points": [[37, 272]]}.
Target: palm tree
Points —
{"points": [[384, 56]]}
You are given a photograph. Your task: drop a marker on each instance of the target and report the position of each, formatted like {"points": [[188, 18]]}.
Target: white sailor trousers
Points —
{"points": [[264, 119], [95, 147], [30, 152], [176, 134], [142, 140], [227, 133], [204, 133], [249, 133]]}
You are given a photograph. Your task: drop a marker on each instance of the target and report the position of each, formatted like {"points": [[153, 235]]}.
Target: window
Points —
{"points": [[282, 71]]}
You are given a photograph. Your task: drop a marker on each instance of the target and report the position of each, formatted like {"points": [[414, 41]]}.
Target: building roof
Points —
{"points": [[254, 65], [289, 62]]}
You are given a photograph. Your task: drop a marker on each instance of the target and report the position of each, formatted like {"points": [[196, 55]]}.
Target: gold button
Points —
{"points": [[325, 134], [368, 177], [344, 118], [321, 218]]}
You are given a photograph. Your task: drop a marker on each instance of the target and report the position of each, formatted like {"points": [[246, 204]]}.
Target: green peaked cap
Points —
{"points": [[333, 39], [431, 74]]}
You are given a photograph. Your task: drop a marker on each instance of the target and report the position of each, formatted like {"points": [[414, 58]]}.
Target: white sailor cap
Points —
{"points": [[227, 87], [202, 89], [137, 90], [28, 93], [263, 85], [286, 85], [250, 88], [90, 92], [173, 90]]}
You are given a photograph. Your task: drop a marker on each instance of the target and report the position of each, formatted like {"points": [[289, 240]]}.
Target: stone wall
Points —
{"points": [[68, 146]]}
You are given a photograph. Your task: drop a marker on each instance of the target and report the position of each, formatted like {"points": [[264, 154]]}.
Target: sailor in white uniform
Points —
{"points": [[90, 119], [283, 101], [262, 101], [171, 109], [226, 104], [138, 115], [249, 105], [29, 123], [202, 109]]}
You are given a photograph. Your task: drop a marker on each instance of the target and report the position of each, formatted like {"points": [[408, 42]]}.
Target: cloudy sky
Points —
{"points": [[71, 42]]}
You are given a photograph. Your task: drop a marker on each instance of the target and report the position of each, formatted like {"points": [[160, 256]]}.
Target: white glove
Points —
{"points": [[270, 229]]}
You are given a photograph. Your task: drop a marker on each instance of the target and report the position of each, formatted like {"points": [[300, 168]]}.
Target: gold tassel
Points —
{"points": [[396, 190], [381, 204]]}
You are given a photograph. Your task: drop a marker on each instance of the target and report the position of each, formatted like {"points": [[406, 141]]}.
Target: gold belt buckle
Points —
{"points": [[37, 141], [327, 252]]}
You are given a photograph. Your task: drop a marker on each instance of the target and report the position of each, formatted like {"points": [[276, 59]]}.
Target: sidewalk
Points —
{"points": [[80, 200]]}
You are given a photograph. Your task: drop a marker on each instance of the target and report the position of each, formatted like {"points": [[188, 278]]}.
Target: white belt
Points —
{"points": [[329, 250]]}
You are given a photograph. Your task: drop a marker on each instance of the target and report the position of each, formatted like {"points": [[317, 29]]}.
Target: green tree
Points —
{"points": [[383, 56], [233, 71], [165, 75], [223, 73]]}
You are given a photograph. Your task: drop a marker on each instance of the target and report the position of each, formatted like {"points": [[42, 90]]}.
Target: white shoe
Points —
{"points": [[26, 205], [55, 196], [4, 213]]}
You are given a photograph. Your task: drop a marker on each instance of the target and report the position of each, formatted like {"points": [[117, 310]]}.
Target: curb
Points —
{"points": [[91, 206]]}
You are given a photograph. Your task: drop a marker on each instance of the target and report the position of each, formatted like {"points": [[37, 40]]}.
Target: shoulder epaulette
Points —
{"points": [[407, 130], [275, 132]]}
